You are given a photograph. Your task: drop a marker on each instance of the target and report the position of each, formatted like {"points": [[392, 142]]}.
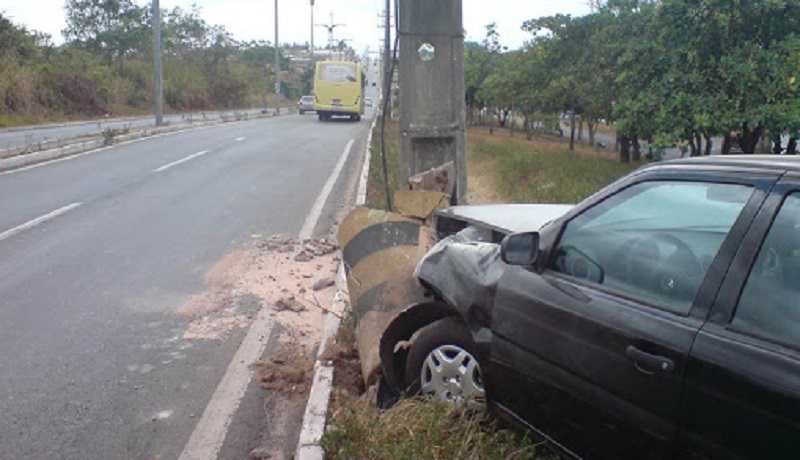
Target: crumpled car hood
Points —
{"points": [[507, 218], [464, 268]]}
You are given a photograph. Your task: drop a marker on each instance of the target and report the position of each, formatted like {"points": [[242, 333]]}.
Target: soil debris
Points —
{"points": [[347, 374], [290, 304], [323, 284], [288, 371]]}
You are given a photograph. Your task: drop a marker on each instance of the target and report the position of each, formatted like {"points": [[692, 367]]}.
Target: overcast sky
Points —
{"points": [[253, 19]]}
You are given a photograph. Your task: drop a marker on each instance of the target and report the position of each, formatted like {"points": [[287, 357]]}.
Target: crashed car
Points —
{"points": [[659, 318]]}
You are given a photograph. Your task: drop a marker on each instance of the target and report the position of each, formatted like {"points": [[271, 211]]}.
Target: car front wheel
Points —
{"points": [[442, 364]]}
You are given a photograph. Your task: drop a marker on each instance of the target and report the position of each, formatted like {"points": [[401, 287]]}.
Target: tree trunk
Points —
{"points": [[726, 144], [527, 121], [592, 127], [572, 132], [791, 149], [709, 144], [580, 129], [637, 149], [748, 139], [625, 149], [512, 121], [777, 144], [693, 147]]}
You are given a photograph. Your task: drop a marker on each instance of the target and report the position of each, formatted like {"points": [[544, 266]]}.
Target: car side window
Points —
{"points": [[770, 303], [653, 241]]}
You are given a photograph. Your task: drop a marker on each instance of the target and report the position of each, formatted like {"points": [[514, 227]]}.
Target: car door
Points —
{"points": [[599, 334], [743, 376]]}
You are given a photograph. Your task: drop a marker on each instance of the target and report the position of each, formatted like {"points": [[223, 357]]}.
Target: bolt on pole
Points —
{"points": [[158, 78]]}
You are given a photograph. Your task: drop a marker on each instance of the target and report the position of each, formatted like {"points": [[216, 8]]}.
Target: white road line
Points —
{"points": [[316, 211], [102, 149], [209, 434], [240, 139], [38, 221], [182, 160]]}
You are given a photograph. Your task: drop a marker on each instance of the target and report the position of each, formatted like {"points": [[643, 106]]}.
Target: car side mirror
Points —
{"points": [[521, 249]]}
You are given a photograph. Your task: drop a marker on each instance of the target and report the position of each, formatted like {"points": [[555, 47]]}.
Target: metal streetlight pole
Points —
{"points": [[277, 61], [312, 28], [158, 78]]}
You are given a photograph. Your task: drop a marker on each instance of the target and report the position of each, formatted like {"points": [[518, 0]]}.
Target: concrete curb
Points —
{"points": [[102, 121], [315, 417], [98, 144]]}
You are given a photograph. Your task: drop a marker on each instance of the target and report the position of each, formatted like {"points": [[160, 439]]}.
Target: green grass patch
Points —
{"points": [[543, 171], [417, 429], [376, 195]]}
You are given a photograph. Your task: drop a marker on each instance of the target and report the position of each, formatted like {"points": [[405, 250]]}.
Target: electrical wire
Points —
{"points": [[387, 98]]}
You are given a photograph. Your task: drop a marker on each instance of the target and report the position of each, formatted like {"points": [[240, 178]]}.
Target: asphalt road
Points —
{"points": [[97, 253], [24, 136]]}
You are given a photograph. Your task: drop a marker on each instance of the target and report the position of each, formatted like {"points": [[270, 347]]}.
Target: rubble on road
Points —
{"points": [[292, 278]]}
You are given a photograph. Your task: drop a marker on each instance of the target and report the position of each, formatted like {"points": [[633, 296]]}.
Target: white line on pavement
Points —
{"points": [[209, 434], [240, 139], [182, 160], [38, 221], [316, 211]]}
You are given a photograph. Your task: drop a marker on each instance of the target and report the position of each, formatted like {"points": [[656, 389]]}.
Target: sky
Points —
{"points": [[254, 19]]}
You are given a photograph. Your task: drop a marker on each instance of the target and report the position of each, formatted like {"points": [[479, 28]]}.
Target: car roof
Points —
{"points": [[774, 162]]}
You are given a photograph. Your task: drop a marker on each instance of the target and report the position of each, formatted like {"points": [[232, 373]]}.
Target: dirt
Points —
{"points": [[347, 368], [281, 273], [288, 371]]}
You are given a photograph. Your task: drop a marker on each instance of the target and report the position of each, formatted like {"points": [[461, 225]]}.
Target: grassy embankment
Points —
{"points": [[503, 169]]}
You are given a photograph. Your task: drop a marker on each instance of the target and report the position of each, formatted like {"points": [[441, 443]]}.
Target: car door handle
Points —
{"points": [[648, 363]]}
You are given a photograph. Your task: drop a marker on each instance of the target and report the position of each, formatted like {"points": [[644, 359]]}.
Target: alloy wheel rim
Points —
{"points": [[453, 375]]}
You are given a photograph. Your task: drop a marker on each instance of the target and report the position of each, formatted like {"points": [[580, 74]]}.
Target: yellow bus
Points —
{"points": [[339, 90]]}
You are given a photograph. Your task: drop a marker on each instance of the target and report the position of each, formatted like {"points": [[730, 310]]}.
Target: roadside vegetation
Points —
{"points": [[705, 75], [105, 66], [419, 429], [540, 170]]}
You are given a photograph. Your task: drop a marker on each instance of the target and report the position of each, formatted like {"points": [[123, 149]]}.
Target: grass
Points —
{"points": [[503, 169], [541, 170], [419, 429]]}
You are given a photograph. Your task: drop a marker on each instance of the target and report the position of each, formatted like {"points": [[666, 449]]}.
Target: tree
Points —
{"points": [[479, 62], [113, 29]]}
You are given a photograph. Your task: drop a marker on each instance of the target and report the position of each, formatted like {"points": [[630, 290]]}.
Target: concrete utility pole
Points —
{"points": [[277, 62], [432, 104], [158, 79]]}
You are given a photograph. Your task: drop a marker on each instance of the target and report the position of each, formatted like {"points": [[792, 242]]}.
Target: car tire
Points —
{"points": [[302, 112], [442, 363]]}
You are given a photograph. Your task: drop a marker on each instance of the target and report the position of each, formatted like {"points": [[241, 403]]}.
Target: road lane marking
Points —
{"points": [[38, 221], [209, 434], [181, 161], [316, 211], [240, 139], [121, 144]]}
